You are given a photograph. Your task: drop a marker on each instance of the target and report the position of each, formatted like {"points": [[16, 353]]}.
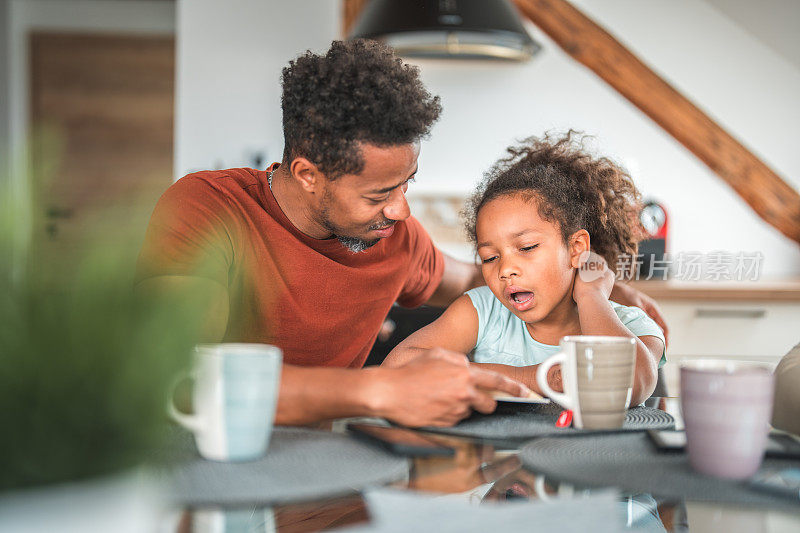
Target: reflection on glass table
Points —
{"points": [[489, 473]]}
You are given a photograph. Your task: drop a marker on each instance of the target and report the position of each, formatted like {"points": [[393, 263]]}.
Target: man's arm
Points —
{"points": [[459, 277], [203, 293], [437, 388]]}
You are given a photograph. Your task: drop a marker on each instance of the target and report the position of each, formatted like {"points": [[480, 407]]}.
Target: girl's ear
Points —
{"points": [[579, 243]]}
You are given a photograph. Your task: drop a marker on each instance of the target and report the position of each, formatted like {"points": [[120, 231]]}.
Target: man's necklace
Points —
{"points": [[269, 178]]}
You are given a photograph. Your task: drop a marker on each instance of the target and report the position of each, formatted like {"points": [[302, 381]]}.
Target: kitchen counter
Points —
{"points": [[776, 290]]}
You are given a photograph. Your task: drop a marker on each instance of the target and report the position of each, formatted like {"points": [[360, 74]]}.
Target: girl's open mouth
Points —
{"points": [[522, 300]]}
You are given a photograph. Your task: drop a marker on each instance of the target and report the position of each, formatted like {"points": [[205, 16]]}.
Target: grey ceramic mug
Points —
{"points": [[597, 372], [727, 406]]}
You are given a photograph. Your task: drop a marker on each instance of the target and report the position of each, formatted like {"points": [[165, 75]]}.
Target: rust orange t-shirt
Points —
{"points": [[320, 303]]}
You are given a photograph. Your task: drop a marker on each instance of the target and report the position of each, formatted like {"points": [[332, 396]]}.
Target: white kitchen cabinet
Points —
{"points": [[732, 329], [747, 331], [758, 322]]}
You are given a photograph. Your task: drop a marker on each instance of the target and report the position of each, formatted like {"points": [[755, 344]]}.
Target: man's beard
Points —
{"points": [[354, 244]]}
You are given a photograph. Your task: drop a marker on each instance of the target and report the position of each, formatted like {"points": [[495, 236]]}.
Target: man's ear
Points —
{"points": [[306, 174], [579, 242]]}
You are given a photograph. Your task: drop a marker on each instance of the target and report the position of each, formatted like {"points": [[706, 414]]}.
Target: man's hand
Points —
{"points": [[437, 388], [472, 466]]}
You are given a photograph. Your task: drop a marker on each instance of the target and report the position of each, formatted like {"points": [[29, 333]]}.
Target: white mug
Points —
{"points": [[235, 397], [597, 373]]}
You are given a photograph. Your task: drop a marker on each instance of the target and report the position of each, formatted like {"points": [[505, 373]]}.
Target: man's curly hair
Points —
{"points": [[571, 188], [359, 91]]}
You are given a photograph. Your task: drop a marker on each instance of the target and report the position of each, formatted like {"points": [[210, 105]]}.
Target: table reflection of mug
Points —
{"points": [[235, 395], [250, 520]]}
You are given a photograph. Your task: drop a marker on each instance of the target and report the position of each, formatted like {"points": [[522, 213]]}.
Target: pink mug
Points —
{"points": [[727, 406]]}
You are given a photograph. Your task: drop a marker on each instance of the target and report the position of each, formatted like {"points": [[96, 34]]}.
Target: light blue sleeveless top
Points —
{"points": [[504, 339]]}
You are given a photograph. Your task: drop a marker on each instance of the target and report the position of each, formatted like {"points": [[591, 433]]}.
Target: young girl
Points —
{"points": [[534, 220]]}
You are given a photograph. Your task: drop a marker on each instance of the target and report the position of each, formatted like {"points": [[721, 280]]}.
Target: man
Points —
{"points": [[311, 254]]}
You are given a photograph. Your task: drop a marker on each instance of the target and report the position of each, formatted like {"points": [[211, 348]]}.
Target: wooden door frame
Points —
{"points": [[107, 16]]}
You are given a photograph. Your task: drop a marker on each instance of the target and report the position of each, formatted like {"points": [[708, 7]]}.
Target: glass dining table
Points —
{"points": [[480, 472]]}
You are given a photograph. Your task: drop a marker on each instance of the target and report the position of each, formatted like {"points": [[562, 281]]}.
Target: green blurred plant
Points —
{"points": [[85, 364]]}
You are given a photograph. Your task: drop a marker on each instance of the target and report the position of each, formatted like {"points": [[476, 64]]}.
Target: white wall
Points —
{"points": [[228, 98], [773, 22], [143, 16], [230, 56], [740, 82]]}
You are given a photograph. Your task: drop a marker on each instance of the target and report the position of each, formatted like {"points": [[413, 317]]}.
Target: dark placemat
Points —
{"points": [[513, 421], [630, 462], [301, 464]]}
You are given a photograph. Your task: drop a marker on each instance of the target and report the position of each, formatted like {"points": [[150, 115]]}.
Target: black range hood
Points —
{"points": [[471, 29]]}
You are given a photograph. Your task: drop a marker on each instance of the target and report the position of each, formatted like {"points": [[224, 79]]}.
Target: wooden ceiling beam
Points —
{"points": [[351, 9], [758, 185], [764, 191]]}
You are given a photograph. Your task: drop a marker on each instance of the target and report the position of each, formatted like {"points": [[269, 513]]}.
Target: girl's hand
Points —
{"points": [[592, 278]]}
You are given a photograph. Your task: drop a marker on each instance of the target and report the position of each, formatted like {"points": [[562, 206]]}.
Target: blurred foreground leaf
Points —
{"points": [[85, 364]]}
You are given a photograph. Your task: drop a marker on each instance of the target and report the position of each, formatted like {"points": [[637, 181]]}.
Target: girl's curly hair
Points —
{"points": [[572, 188]]}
